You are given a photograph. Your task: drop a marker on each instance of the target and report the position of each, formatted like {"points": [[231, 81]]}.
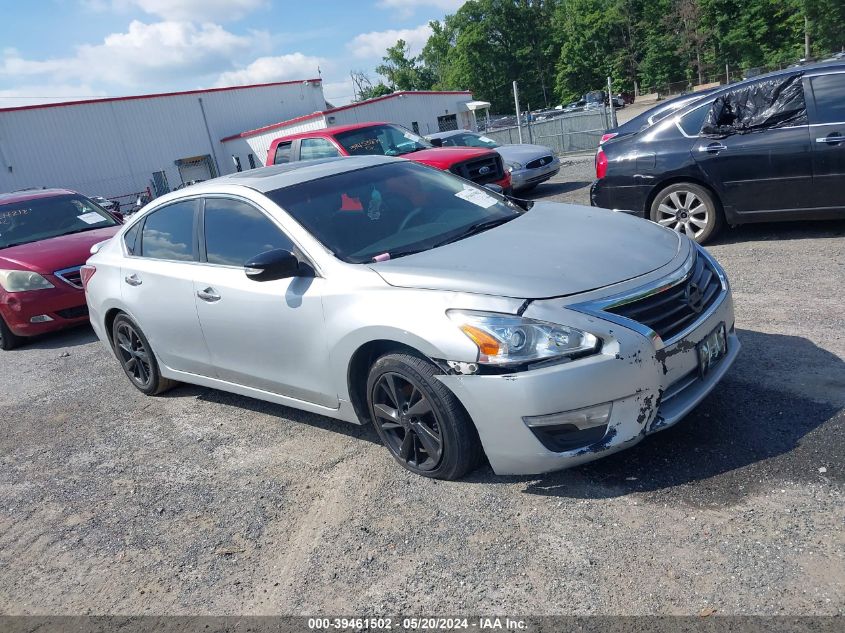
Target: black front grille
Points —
{"points": [[480, 170], [71, 276], [73, 313], [670, 311], [534, 164]]}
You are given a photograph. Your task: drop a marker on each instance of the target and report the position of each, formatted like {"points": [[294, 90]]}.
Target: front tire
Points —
{"points": [[689, 209], [419, 420], [136, 357], [8, 339]]}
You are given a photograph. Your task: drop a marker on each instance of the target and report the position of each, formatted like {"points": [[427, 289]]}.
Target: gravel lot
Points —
{"points": [[205, 502]]}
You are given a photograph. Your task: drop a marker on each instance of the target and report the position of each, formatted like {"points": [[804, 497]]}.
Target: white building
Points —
{"points": [[121, 146], [424, 112]]}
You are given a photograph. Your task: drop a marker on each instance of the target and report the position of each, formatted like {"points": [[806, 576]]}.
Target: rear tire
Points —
{"points": [[689, 209], [137, 358], [8, 339], [419, 420]]}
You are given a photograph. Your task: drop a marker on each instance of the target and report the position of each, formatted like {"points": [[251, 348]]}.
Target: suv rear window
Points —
{"points": [[829, 95]]}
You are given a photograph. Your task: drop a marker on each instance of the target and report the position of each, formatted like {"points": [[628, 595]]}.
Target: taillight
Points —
{"points": [[601, 164], [608, 136], [86, 272]]}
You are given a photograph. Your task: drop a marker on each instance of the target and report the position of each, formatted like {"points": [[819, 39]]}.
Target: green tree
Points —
{"points": [[401, 70], [369, 92]]}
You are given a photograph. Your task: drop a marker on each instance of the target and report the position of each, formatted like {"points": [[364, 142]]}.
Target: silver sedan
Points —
{"points": [[460, 323]]}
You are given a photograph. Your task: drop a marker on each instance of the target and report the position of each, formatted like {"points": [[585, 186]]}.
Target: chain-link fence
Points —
{"points": [[565, 134]]}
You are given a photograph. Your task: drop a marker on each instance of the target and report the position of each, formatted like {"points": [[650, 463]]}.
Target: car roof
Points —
{"points": [[32, 194], [448, 133], [264, 179], [331, 131]]}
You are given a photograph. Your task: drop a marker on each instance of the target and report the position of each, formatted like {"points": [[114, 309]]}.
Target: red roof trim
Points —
{"points": [[319, 113], [153, 96]]}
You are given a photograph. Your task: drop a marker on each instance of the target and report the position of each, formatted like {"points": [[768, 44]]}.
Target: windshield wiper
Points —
{"points": [[474, 229]]}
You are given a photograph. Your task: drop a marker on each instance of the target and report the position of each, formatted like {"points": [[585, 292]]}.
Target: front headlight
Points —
{"points": [[514, 166], [504, 339], [22, 280]]}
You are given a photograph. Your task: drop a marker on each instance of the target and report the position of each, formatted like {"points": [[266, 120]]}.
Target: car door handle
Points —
{"points": [[712, 148], [208, 295], [133, 280], [832, 138]]}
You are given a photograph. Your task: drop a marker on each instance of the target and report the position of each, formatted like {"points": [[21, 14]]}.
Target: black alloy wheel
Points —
{"points": [[136, 357], [419, 419], [411, 430]]}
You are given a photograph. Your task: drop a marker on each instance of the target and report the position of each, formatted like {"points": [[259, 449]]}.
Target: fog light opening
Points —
{"points": [[571, 430], [41, 318]]}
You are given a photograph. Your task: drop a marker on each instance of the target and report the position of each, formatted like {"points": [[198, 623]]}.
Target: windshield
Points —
{"points": [[43, 218], [465, 139], [391, 210], [381, 140]]}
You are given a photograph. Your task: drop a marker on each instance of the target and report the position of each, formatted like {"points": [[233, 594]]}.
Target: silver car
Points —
{"points": [[529, 165], [461, 324]]}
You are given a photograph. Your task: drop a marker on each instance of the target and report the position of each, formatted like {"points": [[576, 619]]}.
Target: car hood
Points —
{"points": [[523, 153], [553, 250], [56, 253]]}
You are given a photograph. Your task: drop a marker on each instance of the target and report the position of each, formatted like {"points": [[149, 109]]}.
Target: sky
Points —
{"points": [[61, 50]]}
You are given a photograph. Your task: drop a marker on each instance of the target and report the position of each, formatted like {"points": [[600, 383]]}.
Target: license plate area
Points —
{"points": [[712, 349]]}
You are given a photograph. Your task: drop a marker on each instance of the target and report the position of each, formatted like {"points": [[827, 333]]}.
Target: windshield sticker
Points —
{"points": [[6, 216], [365, 145], [91, 217], [486, 139], [477, 197], [411, 137]]}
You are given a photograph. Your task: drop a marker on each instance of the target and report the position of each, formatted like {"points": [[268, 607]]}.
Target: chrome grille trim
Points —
{"points": [[598, 308], [71, 276]]}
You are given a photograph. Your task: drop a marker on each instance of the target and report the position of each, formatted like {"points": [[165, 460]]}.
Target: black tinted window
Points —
{"points": [[282, 153], [130, 238], [692, 121], [313, 148], [235, 232], [829, 93], [169, 232]]}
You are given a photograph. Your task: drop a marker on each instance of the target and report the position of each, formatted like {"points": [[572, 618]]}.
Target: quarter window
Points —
{"points": [[169, 232], [313, 148], [829, 94], [130, 238], [282, 153], [692, 121], [235, 232]]}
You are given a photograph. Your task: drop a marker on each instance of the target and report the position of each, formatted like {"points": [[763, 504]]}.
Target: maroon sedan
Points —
{"points": [[45, 237]]}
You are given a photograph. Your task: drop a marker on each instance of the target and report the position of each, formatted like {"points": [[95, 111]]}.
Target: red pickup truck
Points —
{"points": [[482, 166]]}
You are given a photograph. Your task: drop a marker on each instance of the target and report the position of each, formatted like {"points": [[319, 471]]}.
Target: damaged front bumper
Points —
{"points": [[648, 384]]}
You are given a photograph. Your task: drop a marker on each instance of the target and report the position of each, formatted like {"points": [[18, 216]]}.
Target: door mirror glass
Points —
{"points": [[437, 142], [271, 265]]}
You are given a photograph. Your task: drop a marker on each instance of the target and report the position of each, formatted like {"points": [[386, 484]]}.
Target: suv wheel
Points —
{"points": [[689, 209], [8, 339], [419, 420], [136, 357]]}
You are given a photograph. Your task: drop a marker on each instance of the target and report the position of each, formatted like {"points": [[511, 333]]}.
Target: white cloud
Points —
{"points": [[375, 43], [192, 10], [408, 7], [49, 93], [143, 56], [268, 69]]}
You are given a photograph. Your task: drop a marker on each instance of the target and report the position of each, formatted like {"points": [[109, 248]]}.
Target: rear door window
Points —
{"points": [[314, 148], [829, 96], [691, 122], [168, 233], [282, 153]]}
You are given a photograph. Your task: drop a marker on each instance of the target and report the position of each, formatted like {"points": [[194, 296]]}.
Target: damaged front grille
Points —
{"points": [[480, 170], [670, 311]]}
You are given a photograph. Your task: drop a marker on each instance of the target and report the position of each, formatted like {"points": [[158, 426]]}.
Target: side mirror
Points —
{"points": [[272, 265], [495, 188], [437, 142]]}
